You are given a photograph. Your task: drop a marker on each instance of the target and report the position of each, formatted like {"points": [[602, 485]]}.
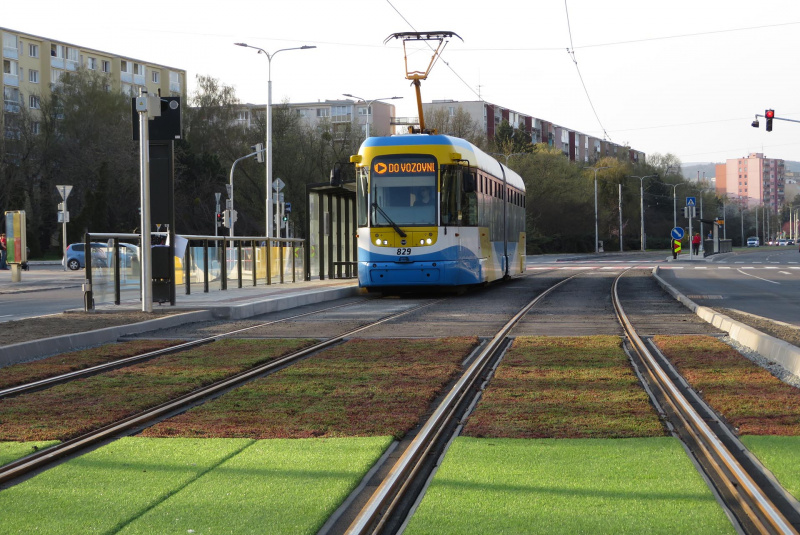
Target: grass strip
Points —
{"points": [[11, 451], [360, 388], [779, 455], [577, 387], [27, 372], [751, 399], [107, 488], [640, 485], [274, 486], [68, 410]]}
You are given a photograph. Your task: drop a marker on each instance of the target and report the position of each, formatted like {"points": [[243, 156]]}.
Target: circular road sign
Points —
{"points": [[677, 233]]}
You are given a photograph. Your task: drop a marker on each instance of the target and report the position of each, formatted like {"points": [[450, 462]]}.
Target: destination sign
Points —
{"points": [[404, 166]]}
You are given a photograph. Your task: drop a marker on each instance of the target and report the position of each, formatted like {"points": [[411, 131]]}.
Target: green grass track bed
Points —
{"points": [[632, 485], [11, 451], [182, 485], [779, 455]]}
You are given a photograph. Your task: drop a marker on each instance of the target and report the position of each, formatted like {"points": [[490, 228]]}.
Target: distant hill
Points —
{"points": [[690, 170]]}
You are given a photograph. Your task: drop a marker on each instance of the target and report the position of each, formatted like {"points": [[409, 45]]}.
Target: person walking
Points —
{"points": [[3, 251], [696, 244]]}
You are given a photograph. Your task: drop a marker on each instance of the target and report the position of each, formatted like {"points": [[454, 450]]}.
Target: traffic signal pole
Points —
{"points": [[769, 115]]}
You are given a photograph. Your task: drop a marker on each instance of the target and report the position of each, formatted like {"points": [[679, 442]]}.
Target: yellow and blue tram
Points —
{"points": [[435, 211]]}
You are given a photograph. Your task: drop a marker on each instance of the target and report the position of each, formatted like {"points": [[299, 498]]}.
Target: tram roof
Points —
{"points": [[469, 152]]}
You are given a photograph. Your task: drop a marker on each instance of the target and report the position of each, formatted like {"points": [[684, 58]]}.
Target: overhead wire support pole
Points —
{"points": [[142, 106]]}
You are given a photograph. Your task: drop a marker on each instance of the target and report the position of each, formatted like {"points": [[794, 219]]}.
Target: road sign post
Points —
{"points": [[64, 191]]}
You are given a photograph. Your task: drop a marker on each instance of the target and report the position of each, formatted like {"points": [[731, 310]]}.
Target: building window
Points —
{"points": [[72, 55], [33, 76], [34, 102], [11, 99], [91, 63], [36, 128], [175, 82], [55, 76], [138, 68], [323, 112], [33, 50], [364, 111], [58, 51], [10, 68], [125, 66], [10, 44], [156, 77], [106, 66]]}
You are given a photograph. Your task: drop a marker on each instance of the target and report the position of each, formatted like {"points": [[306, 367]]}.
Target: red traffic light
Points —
{"points": [[769, 114]]}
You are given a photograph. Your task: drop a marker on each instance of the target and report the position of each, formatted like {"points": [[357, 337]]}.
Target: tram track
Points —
{"points": [[39, 460], [755, 499]]}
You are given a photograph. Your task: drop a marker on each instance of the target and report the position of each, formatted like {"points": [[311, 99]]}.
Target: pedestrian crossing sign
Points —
{"points": [[691, 201]]}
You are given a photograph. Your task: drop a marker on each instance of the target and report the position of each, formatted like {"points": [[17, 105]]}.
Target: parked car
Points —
{"points": [[753, 241], [75, 258], [783, 242], [128, 255]]}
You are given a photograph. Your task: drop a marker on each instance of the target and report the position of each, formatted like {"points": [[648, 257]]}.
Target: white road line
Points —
{"points": [[784, 273], [759, 278]]}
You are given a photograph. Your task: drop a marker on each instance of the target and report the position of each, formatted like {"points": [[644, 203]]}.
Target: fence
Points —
{"points": [[201, 263]]}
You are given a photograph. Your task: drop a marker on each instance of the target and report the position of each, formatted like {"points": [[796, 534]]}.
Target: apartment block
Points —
{"points": [[758, 179], [33, 65], [375, 117], [577, 146]]}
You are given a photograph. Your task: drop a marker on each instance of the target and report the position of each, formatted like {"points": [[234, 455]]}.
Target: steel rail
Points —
{"points": [[751, 499], [385, 499], [65, 377], [45, 457]]}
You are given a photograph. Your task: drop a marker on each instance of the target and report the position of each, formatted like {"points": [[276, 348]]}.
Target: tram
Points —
{"points": [[435, 211]]}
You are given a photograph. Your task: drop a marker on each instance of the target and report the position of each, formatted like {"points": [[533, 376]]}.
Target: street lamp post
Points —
{"points": [[675, 204], [369, 115], [641, 205], [596, 169], [269, 125]]}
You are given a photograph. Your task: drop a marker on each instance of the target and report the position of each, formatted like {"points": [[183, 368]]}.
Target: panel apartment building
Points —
{"points": [[755, 178], [577, 146], [32, 65]]}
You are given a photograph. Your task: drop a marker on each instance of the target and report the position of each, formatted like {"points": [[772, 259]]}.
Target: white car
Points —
{"points": [[753, 241]]}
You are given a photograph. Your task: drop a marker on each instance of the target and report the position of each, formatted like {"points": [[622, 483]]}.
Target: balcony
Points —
{"points": [[126, 77], [11, 79]]}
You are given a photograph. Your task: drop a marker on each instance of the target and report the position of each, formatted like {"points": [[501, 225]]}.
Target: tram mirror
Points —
{"points": [[469, 182]]}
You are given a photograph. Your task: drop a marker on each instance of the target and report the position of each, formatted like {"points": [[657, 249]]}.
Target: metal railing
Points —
{"points": [[214, 262]]}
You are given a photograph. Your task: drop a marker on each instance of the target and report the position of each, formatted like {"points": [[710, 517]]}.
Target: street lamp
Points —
{"points": [[369, 115], [269, 124], [596, 169], [674, 204], [641, 204]]}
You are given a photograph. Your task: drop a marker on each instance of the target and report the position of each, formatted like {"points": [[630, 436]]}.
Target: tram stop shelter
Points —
{"points": [[331, 231]]}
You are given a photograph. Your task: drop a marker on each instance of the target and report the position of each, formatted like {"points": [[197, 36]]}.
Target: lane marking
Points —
{"points": [[759, 278]]}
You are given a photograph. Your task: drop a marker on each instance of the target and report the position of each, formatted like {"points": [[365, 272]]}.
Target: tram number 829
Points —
{"points": [[404, 251]]}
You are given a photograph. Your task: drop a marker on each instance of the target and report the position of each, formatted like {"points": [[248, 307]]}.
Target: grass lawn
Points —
{"points": [[36, 370], [67, 410], [754, 401], [639, 485], [779, 455], [177, 485], [579, 387], [11, 451], [360, 388]]}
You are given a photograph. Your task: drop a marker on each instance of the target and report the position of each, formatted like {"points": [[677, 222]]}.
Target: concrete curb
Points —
{"points": [[25, 351], [770, 347], [277, 303], [35, 349]]}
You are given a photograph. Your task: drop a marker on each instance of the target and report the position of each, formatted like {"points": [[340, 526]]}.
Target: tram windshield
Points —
{"points": [[404, 188]]}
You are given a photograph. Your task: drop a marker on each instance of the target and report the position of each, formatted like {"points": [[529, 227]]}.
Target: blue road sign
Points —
{"points": [[677, 233], [691, 201]]}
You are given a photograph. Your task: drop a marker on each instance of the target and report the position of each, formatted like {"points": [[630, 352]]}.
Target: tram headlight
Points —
{"points": [[377, 241], [429, 241], [386, 242], [422, 242]]}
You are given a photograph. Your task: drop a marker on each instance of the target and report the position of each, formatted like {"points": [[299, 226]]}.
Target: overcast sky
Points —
{"points": [[684, 77]]}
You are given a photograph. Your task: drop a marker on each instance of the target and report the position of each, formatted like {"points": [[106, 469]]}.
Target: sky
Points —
{"points": [[684, 77]]}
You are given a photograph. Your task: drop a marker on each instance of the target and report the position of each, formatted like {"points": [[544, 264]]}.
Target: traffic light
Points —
{"points": [[769, 114], [287, 207], [258, 148], [220, 219]]}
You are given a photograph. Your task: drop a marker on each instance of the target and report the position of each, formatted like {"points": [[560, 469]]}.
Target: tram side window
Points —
{"points": [[362, 187], [450, 197]]}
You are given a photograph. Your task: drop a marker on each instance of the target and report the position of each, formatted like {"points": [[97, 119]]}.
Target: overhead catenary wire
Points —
{"points": [[571, 52]]}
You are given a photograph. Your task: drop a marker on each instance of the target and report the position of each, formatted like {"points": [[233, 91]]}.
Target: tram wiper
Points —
{"points": [[389, 220]]}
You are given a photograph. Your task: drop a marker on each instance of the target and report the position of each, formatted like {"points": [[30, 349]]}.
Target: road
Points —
{"points": [[763, 281]]}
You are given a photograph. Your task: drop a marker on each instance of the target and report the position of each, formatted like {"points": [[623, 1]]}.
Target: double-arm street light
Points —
{"points": [[369, 103], [269, 124], [596, 243], [675, 203], [641, 205]]}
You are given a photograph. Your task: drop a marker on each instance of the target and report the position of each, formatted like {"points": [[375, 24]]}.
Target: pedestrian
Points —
{"points": [[696, 243], [3, 251]]}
